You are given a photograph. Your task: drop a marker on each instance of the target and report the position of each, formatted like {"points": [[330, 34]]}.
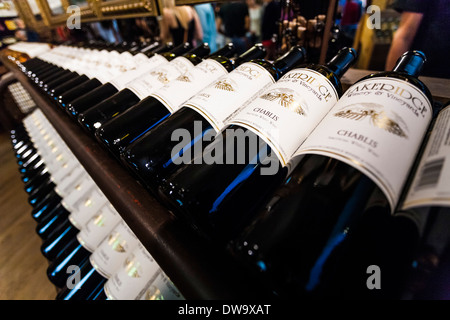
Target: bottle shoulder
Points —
{"points": [[402, 76], [169, 55], [269, 67], [195, 59], [224, 61], [327, 73]]}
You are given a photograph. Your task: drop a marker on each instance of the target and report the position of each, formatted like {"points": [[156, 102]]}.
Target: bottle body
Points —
{"points": [[151, 111], [269, 130], [92, 98], [332, 193], [152, 159]]}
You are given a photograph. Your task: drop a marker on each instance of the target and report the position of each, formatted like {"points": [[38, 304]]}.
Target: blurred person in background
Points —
{"points": [[23, 33], [233, 21], [107, 30], [255, 14], [149, 27], [180, 24], [270, 15], [423, 26], [207, 16], [351, 14]]}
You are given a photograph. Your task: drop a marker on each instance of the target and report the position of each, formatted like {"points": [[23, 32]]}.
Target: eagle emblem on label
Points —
{"points": [[160, 76], [377, 116], [133, 268], [224, 84], [184, 78], [116, 242], [288, 99]]}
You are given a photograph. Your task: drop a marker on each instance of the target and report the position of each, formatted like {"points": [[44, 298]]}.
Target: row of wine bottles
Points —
{"points": [[271, 160], [92, 252]]}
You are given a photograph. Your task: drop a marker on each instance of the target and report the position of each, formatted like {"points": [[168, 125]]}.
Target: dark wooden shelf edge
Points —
{"points": [[197, 268]]}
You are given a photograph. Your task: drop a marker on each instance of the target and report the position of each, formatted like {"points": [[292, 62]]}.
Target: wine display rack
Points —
{"points": [[198, 268]]}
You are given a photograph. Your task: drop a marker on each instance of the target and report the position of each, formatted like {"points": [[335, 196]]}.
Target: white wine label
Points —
{"points": [[221, 98], [87, 207], [286, 113], [80, 68], [105, 74], [158, 77], [140, 58], [108, 69], [126, 55], [122, 80], [377, 127], [431, 183], [133, 277], [65, 171], [162, 289], [113, 250], [65, 186], [187, 84], [81, 188], [98, 227], [125, 64]]}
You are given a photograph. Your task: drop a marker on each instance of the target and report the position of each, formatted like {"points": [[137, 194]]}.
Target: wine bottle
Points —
{"points": [[413, 237], [52, 76], [51, 156], [46, 62], [92, 77], [251, 155], [63, 56], [67, 61], [132, 278], [35, 197], [102, 264], [55, 92], [118, 133], [161, 289], [140, 87], [82, 198], [58, 240], [91, 119], [71, 290], [429, 192], [135, 122], [364, 265], [151, 160], [47, 224], [83, 207], [56, 82], [105, 91], [365, 145], [45, 206], [110, 67], [78, 250]]}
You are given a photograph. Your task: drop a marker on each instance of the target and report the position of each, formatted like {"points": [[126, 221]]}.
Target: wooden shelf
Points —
{"points": [[197, 267]]}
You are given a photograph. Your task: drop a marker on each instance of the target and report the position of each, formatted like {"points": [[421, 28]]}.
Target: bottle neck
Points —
{"points": [[160, 50], [200, 51], [181, 49], [227, 51], [150, 47], [410, 63], [343, 60], [258, 51], [289, 60]]}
